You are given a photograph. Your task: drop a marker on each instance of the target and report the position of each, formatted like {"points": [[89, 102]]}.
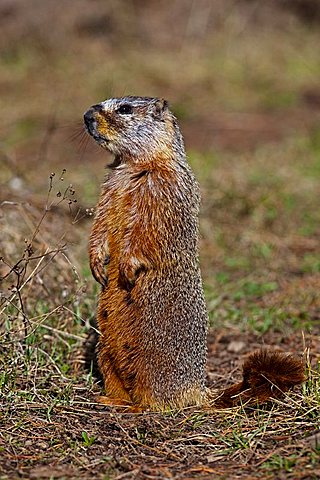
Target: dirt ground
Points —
{"points": [[246, 443]]}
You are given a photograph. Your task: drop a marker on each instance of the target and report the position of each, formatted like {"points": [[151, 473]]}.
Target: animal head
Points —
{"points": [[134, 127]]}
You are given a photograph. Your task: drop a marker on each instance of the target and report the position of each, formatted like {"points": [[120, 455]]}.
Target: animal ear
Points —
{"points": [[160, 106]]}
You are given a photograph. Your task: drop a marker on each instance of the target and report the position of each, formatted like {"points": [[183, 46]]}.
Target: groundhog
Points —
{"points": [[143, 251]]}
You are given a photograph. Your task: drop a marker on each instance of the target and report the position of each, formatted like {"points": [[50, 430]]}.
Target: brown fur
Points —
{"points": [[265, 374]]}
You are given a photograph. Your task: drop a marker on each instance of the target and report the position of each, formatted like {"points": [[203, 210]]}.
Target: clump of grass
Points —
{"points": [[43, 310]]}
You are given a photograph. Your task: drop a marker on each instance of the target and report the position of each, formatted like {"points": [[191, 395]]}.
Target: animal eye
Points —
{"points": [[125, 109]]}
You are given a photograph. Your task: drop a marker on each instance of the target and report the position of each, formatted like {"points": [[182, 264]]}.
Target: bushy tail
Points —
{"points": [[266, 374]]}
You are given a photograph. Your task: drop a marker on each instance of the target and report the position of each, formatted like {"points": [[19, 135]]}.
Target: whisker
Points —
{"points": [[83, 139], [78, 132], [69, 125], [77, 135], [84, 144]]}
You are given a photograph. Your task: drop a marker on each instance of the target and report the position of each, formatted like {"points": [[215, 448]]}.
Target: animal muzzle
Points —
{"points": [[90, 120]]}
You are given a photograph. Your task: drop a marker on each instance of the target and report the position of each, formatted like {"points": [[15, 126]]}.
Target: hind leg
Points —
{"points": [[113, 384], [119, 404]]}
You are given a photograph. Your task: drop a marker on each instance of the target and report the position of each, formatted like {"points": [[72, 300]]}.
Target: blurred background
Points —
{"points": [[239, 74], [242, 76]]}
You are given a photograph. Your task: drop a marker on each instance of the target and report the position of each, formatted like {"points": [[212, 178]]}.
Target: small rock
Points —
{"points": [[236, 346], [313, 441], [16, 183]]}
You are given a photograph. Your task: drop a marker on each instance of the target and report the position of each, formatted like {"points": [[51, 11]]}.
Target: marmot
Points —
{"points": [[143, 251]]}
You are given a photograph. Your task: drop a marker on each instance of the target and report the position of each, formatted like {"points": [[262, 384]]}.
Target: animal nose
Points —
{"points": [[89, 114], [88, 117]]}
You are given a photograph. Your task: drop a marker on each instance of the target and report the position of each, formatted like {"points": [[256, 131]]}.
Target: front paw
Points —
{"points": [[98, 269], [129, 272]]}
